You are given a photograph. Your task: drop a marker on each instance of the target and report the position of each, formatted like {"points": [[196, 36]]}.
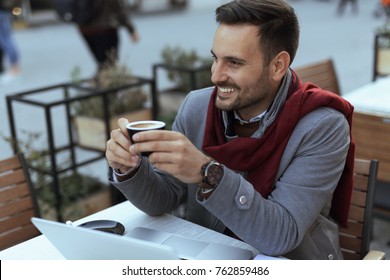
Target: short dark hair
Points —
{"points": [[277, 23]]}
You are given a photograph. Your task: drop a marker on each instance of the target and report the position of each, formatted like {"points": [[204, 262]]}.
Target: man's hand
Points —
{"points": [[118, 149], [172, 153]]}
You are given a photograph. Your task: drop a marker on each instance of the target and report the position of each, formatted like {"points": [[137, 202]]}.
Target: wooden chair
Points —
{"points": [[322, 73], [17, 202], [355, 239]]}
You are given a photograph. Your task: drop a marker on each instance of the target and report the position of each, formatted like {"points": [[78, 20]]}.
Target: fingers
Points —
{"points": [[157, 141], [157, 135], [122, 122], [117, 152]]}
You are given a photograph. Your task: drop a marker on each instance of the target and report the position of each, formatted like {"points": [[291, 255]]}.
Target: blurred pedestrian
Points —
{"points": [[386, 8], [344, 3], [101, 32], [7, 44], [1, 61]]}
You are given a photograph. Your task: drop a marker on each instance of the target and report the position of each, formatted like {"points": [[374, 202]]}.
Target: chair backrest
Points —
{"points": [[355, 238], [322, 73], [17, 202]]}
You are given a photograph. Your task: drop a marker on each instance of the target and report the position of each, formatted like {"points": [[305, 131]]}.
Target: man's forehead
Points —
{"points": [[236, 39]]}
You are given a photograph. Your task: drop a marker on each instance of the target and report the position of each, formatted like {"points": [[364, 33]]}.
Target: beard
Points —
{"points": [[248, 98]]}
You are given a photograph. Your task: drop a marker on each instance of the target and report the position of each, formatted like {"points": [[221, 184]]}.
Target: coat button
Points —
{"points": [[330, 257], [242, 200]]}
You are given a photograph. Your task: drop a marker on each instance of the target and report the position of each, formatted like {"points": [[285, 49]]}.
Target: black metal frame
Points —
{"points": [[23, 163], [54, 172]]}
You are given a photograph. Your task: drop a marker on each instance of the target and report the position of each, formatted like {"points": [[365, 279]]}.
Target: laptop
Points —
{"points": [[78, 243], [190, 248], [140, 243]]}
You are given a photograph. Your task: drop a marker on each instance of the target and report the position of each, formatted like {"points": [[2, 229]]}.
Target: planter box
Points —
{"points": [[91, 132], [383, 67], [83, 207]]}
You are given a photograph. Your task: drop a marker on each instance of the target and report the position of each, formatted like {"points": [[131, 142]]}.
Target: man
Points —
{"points": [[1, 61], [7, 43], [258, 156], [344, 3], [101, 33], [386, 8]]}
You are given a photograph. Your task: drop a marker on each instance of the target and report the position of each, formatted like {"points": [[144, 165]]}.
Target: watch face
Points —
{"points": [[214, 174]]}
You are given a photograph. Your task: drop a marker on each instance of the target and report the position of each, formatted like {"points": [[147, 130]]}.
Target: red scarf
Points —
{"points": [[260, 157]]}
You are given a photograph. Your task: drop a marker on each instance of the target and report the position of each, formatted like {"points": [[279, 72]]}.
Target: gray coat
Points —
{"points": [[293, 221]]}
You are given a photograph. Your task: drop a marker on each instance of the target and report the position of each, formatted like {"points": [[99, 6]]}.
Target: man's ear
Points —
{"points": [[279, 65]]}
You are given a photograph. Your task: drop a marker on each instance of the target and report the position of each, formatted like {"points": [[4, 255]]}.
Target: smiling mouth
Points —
{"points": [[227, 89]]}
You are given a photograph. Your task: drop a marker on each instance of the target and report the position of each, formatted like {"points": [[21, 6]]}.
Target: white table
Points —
{"points": [[373, 98], [39, 248]]}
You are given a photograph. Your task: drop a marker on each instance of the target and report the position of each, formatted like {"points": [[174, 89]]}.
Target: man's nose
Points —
{"points": [[218, 73]]}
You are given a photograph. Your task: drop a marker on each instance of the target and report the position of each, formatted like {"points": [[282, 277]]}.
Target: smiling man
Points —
{"points": [[260, 156]]}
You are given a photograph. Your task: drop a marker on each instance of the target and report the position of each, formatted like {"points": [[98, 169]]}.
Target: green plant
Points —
{"points": [[177, 56], [111, 77], [72, 184], [384, 41]]}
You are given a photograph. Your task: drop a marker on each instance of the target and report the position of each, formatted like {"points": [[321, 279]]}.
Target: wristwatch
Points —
{"points": [[212, 173]]}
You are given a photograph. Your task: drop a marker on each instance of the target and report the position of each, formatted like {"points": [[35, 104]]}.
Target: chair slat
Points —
{"points": [[362, 167], [19, 220], [353, 228], [18, 235], [351, 255], [14, 192], [9, 164], [15, 177], [356, 213], [360, 182], [350, 242], [359, 198], [20, 205]]}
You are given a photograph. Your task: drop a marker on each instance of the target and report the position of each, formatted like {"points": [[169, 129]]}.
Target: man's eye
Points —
{"points": [[234, 63]]}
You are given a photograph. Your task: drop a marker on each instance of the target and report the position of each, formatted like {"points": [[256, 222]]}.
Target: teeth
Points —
{"points": [[226, 90]]}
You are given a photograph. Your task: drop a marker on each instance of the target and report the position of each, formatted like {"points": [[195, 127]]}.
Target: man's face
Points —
{"points": [[244, 84]]}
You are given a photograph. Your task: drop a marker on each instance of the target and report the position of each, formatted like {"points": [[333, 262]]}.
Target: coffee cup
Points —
{"points": [[138, 126]]}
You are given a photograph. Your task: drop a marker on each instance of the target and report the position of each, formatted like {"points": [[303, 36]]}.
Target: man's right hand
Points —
{"points": [[118, 149]]}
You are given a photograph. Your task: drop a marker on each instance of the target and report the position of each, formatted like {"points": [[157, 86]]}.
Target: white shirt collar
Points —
{"points": [[252, 120]]}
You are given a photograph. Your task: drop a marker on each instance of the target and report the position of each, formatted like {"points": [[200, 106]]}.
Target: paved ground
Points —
{"points": [[51, 49]]}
